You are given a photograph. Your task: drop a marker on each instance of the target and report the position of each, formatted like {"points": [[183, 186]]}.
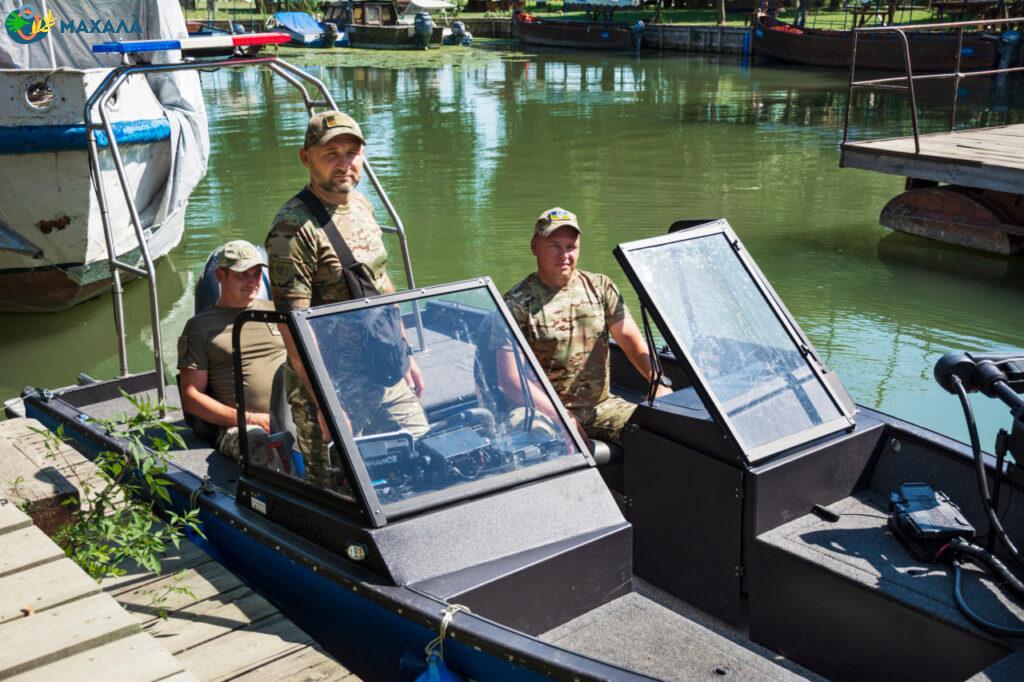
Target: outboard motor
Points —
{"points": [[330, 35], [459, 35], [423, 27], [636, 31]]}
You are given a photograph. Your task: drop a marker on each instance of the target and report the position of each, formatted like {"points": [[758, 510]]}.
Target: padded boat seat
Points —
{"points": [[606, 453]]}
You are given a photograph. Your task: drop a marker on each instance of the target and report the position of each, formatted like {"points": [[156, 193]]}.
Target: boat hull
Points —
{"points": [[880, 51], [574, 34], [52, 212], [389, 37]]}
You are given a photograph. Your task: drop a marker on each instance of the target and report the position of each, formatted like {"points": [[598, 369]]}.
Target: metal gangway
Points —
{"points": [[98, 105]]}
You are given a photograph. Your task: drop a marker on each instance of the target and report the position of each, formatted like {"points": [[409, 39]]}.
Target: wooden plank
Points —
{"points": [[25, 548], [188, 556], [910, 166], [245, 650], [137, 658], [60, 632], [39, 491], [11, 518], [43, 587], [309, 663], [203, 583], [211, 619]]}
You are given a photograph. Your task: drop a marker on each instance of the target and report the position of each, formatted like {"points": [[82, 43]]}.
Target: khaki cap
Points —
{"points": [[330, 124], [239, 255], [554, 218]]}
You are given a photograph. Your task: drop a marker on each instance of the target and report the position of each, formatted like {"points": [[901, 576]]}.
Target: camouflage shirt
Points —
{"points": [[567, 329], [304, 268]]}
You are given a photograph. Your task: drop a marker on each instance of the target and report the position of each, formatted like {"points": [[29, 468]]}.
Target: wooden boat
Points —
{"points": [[589, 35], [754, 493], [929, 51]]}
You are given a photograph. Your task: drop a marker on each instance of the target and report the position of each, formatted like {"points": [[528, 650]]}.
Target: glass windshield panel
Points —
{"points": [[482, 410], [748, 361]]}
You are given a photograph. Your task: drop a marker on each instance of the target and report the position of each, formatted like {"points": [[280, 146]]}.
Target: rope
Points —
{"points": [[438, 642], [205, 488]]}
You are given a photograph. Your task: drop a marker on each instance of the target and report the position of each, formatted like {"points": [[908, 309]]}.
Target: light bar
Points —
{"points": [[202, 45]]}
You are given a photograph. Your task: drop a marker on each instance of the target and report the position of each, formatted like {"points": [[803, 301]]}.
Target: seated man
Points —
{"points": [[567, 316], [204, 353]]}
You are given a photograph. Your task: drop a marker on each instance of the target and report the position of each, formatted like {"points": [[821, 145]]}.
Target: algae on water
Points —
{"points": [[400, 59]]}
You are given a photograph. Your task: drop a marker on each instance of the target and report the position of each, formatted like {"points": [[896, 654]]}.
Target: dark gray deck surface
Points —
{"points": [[860, 548], [654, 633]]}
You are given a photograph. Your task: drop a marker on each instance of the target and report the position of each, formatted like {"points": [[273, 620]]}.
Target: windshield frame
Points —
{"points": [[380, 514], [627, 252]]}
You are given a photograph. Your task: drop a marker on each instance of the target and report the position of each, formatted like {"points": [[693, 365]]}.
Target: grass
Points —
{"points": [[704, 16]]}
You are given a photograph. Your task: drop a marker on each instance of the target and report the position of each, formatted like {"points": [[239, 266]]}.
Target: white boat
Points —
{"points": [[53, 253]]}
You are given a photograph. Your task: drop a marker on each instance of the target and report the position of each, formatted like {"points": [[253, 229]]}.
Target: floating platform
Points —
{"points": [[964, 187]]}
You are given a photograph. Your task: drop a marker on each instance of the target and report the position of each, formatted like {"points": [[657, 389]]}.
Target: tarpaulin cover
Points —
{"points": [[179, 93]]}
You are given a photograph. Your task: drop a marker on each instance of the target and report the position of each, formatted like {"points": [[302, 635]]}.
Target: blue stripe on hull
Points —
{"points": [[35, 139]]}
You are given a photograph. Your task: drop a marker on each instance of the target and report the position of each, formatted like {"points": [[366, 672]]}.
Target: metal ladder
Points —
{"points": [[98, 101]]}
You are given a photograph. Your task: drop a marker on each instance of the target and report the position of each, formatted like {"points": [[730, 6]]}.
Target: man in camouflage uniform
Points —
{"points": [[567, 316], [305, 271]]}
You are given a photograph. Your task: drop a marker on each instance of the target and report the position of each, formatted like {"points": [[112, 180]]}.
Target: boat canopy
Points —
{"points": [[751, 366], [298, 22], [492, 418], [428, 5]]}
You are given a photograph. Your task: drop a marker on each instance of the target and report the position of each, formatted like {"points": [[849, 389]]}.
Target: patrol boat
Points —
{"points": [[742, 529]]}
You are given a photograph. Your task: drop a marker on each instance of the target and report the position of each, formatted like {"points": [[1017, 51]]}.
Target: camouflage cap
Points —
{"points": [[552, 219], [330, 124], [239, 255]]}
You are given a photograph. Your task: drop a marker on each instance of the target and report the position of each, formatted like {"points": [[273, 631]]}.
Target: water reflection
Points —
{"points": [[472, 153]]}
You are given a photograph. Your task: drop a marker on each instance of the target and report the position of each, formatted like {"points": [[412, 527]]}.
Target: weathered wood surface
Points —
{"points": [[986, 158], [218, 627], [57, 623]]}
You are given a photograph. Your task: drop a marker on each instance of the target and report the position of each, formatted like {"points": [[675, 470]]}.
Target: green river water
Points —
{"points": [[473, 144]]}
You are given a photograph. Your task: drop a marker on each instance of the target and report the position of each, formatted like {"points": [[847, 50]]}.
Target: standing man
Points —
{"points": [[567, 316], [204, 353], [306, 270]]}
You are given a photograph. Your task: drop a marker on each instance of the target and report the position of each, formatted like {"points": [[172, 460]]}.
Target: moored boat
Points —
{"points": [[52, 248], [305, 31], [929, 50], [588, 35], [382, 25]]}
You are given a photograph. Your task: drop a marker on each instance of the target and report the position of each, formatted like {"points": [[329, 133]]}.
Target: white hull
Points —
{"points": [[50, 204]]}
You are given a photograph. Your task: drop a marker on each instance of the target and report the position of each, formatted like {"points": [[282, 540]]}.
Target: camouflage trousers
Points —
{"points": [[370, 409], [605, 420], [256, 439]]}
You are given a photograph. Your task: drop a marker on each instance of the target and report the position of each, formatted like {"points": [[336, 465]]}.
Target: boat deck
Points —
{"points": [[652, 632], [984, 158]]}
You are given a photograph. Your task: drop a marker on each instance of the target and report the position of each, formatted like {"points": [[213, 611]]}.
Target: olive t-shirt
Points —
{"points": [[205, 344]]}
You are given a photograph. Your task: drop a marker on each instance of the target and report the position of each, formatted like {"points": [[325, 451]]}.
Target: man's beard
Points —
{"points": [[336, 185]]}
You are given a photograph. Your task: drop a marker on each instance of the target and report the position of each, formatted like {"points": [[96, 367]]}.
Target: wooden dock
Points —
{"points": [[57, 623], [964, 187], [985, 158]]}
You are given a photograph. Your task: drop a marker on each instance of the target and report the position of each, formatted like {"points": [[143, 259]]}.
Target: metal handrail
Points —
{"points": [[98, 101], [909, 78]]}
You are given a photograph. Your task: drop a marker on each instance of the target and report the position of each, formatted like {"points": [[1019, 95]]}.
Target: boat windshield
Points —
{"points": [[713, 307], [484, 418]]}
